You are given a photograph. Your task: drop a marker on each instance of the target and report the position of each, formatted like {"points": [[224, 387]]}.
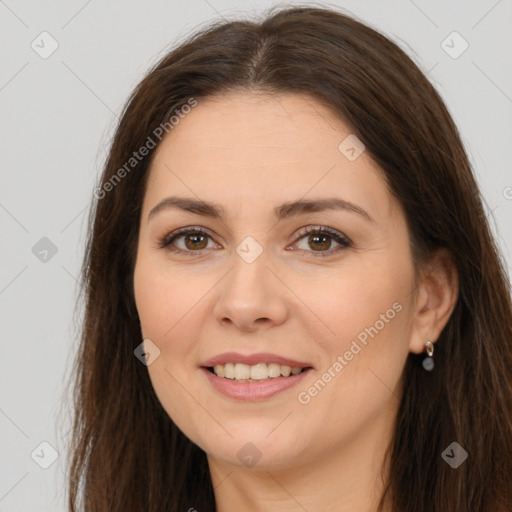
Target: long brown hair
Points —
{"points": [[126, 453]]}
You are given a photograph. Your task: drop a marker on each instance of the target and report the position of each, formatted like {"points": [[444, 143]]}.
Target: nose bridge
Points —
{"points": [[250, 291], [249, 273]]}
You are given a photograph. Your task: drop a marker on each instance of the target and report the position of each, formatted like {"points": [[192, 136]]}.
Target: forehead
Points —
{"points": [[263, 147], [245, 120]]}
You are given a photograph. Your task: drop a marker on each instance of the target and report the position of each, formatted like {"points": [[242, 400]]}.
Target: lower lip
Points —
{"points": [[253, 391]]}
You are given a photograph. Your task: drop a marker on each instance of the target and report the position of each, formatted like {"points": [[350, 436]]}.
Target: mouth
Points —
{"points": [[253, 377], [260, 372]]}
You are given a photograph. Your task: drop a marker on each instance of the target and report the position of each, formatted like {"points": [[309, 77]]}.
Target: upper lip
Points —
{"points": [[252, 359]]}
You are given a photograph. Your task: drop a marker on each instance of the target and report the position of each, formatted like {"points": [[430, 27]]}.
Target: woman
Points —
{"points": [[293, 297]]}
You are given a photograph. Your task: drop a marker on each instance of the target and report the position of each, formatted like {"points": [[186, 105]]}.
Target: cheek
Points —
{"points": [[166, 307], [170, 386], [366, 345], [162, 305], [355, 301], [161, 301]]}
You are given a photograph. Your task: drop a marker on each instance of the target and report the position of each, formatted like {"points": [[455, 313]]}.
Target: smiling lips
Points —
{"points": [[256, 372], [256, 367], [255, 376]]}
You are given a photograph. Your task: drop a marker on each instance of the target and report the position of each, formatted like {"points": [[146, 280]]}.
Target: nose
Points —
{"points": [[252, 295]]}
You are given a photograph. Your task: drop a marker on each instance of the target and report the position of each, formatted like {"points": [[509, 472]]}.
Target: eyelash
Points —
{"points": [[322, 230]]}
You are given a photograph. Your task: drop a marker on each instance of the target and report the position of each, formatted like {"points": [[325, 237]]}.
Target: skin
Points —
{"points": [[250, 152]]}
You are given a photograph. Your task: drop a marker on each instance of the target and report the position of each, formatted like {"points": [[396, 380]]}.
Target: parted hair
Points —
{"points": [[126, 454]]}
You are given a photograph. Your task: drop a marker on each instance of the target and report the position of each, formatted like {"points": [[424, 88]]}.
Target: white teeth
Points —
{"points": [[219, 370], [242, 371], [274, 370], [256, 372], [259, 371], [285, 371], [229, 370]]}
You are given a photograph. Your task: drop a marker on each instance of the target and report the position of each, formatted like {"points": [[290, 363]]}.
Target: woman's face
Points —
{"points": [[257, 294]]}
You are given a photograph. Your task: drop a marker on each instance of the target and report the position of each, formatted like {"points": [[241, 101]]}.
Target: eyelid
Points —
{"points": [[171, 237], [341, 239]]}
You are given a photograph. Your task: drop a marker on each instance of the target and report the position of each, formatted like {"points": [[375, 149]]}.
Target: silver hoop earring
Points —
{"points": [[428, 362]]}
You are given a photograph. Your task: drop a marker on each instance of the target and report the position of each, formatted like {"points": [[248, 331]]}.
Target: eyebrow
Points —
{"points": [[285, 210]]}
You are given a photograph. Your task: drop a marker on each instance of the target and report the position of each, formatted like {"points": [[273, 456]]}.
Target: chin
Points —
{"points": [[256, 452]]}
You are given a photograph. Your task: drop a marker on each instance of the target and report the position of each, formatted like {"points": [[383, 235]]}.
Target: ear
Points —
{"points": [[436, 296]]}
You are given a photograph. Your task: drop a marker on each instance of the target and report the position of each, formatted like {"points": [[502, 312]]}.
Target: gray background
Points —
{"points": [[57, 118]]}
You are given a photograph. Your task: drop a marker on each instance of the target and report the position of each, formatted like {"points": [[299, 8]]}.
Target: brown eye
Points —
{"points": [[186, 240], [195, 241], [319, 241]]}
